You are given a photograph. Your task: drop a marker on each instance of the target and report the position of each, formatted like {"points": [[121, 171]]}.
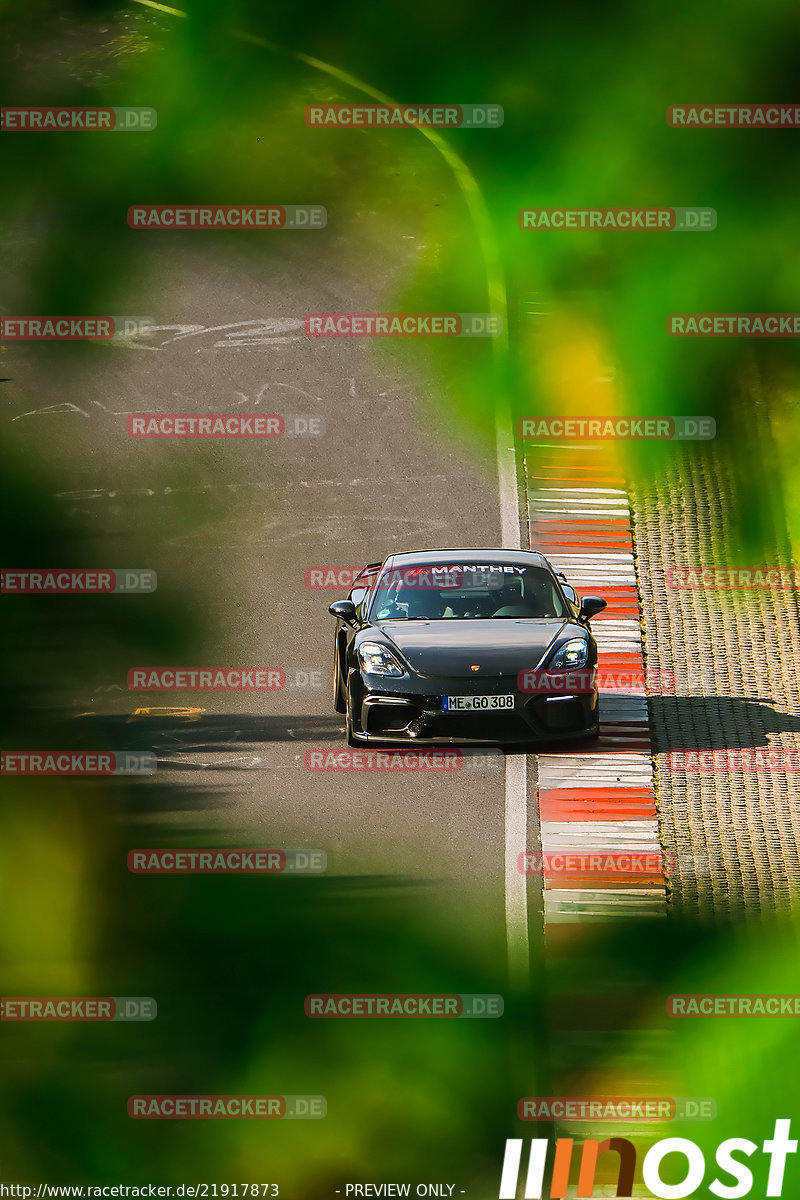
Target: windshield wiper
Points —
{"points": [[520, 617], [399, 617]]}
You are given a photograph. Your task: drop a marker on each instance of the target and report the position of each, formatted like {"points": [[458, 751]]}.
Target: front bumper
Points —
{"points": [[411, 711]]}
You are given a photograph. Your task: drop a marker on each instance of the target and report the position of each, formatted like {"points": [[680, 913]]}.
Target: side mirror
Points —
{"points": [[570, 593], [591, 606], [345, 610]]}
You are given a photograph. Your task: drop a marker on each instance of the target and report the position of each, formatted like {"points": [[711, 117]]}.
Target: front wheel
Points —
{"points": [[348, 721], [338, 699]]}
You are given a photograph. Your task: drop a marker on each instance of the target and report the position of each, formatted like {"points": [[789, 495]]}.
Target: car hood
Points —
{"points": [[503, 646]]}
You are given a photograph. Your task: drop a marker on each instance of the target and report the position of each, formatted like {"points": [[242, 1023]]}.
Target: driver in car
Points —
{"points": [[424, 603]]}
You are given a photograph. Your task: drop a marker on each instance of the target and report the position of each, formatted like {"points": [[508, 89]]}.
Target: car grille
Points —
{"points": [[485, 726]]}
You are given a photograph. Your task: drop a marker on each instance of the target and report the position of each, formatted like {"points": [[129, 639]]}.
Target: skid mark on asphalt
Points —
{"points": [[237, 762]]}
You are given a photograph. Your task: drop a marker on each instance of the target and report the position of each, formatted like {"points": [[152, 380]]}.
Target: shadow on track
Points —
{"points": [[715, 723]]}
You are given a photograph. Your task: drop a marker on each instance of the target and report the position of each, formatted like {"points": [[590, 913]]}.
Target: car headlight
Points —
{"points": [[379, 660], [572, 654]]}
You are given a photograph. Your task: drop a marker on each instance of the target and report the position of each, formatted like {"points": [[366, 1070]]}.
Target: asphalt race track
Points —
{"points": [[234, 527]]}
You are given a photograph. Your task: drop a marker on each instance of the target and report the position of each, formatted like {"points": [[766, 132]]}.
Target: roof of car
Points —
{"points": [[500, 557]]}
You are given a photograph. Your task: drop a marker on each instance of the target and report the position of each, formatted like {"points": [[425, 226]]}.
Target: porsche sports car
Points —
{"points": [[447, 647]]}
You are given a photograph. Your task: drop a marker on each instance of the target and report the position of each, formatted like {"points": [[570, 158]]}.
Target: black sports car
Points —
{"points": [[445, 647]]}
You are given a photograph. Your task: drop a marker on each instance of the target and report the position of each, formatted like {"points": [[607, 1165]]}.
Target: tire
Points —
{"points": [[338, 699], [348, 721]]}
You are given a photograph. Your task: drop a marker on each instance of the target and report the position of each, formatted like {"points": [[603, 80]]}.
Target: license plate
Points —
{"points": [[473, 703]]}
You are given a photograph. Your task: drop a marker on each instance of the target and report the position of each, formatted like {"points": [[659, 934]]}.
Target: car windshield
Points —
{"points": [[466, 591]]}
